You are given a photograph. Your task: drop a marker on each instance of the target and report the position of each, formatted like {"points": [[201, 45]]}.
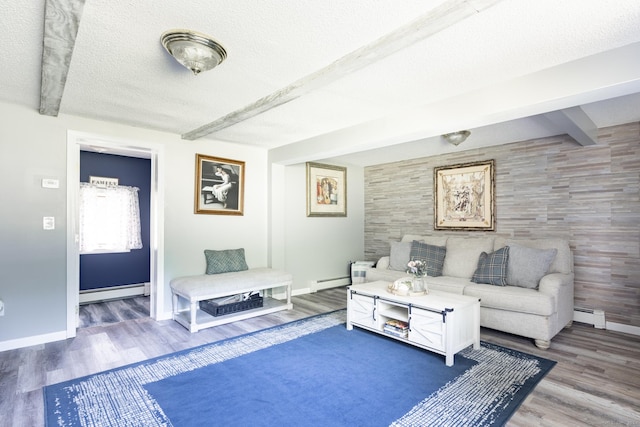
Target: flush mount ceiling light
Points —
{"points": [[196, 51], [456, 138]]}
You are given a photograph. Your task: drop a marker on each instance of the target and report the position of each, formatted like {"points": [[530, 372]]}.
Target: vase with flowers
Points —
{"points": [[418, 269]]}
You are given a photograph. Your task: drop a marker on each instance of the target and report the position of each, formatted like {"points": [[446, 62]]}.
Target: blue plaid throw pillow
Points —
{"points": [[492, 268], [432, 256], [225, 261]]}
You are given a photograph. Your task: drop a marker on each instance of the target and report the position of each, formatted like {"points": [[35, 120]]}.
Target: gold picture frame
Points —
{"points": [[326, 190], [219, 186], [464, 196]]}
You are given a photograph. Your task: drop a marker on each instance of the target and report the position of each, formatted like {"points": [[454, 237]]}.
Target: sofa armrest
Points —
{"points": [[383, 263], [552, 284], [560, 286]]}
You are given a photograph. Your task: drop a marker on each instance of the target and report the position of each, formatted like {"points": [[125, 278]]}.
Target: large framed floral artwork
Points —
{"points": [[464, 196], [326, 190], [219, 186]]}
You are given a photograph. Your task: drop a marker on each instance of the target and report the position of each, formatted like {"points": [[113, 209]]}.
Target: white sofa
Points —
{"points": [[538, 311]]}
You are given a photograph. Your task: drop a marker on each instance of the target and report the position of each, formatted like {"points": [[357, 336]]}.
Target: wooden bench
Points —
{"points": [[193, 289]]}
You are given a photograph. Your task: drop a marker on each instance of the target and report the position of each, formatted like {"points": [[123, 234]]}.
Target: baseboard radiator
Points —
{"points": [[114, 292], [318, 285], [590, 316]]}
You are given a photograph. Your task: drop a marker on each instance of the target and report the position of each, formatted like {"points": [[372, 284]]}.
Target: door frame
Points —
{"points": [[79, 141]]}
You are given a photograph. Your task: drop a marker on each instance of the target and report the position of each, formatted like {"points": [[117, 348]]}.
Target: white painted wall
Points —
{"points": [[274, 229], [316, 248], [32, 261], [187, 235]]}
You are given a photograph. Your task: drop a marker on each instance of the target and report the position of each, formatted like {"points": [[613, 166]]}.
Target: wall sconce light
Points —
{"points": [[196, 51], [456, 138]]}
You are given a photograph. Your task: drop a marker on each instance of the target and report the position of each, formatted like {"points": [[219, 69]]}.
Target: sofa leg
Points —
{"points": [[543, 344]]}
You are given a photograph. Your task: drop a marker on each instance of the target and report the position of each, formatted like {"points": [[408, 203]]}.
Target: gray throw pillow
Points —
{"points": [[399, 255], [492, 268], [225, 261], [527, 266], [432, 256]]}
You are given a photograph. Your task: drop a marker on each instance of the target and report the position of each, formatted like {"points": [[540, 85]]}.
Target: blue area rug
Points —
{"points": [[311, 372]]}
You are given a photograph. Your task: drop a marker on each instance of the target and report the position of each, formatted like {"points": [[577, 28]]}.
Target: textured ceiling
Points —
{"points": [[365, 81]]}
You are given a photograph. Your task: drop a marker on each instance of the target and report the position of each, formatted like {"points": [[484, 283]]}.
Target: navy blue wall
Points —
{"points": [[104, 270]]}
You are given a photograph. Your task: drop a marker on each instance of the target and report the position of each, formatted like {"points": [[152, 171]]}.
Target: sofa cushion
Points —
{"points": [[492, 268], [512, 298], [432, 256], [399, 255], [455, 285], [463, 255], [225, 261], [527, 265]]}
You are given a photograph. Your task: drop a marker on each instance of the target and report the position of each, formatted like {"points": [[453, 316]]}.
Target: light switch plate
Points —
{"points": [[48, 223]]}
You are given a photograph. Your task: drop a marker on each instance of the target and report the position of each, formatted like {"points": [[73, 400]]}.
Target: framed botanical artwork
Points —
{"points": [[326, 190], [464, 196], [219, 187]]}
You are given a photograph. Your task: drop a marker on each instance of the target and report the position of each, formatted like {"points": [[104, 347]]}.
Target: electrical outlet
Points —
{"points": [[1, 308]]}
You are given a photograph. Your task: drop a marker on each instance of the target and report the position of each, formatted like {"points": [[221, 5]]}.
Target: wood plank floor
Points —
{"points": [[103, 313], [595, 383]]}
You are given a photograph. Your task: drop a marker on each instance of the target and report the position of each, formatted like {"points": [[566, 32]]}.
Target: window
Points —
{"points": [[109, 219]]}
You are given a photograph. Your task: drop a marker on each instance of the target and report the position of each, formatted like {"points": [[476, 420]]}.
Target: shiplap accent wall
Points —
{"points": [[544, 187]]}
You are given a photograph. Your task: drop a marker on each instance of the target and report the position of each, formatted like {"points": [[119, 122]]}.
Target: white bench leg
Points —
{"points": [[193, 323], [174, 307]]}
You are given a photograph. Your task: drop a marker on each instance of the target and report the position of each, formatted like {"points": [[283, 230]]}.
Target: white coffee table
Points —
{"points": [[440, 322]]}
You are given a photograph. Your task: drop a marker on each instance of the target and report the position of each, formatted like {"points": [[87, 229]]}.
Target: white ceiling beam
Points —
{"points": [[575, 123], [444, 16], [61, 22], [590, 79]]}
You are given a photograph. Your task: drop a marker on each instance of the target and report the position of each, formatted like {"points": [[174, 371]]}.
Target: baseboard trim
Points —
{"points": [[597, 319], [318, 285], [627, 329], [97, 295], [33, 340], [590, 316]]}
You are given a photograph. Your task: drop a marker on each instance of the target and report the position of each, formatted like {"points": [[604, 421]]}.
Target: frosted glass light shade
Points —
{"points": [[198, 52], [456, 138]]}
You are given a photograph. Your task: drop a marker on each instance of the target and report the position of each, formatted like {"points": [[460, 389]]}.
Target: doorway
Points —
{"points": [[77, 142], [109, 270]]}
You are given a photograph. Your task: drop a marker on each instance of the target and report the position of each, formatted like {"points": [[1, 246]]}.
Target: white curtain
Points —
{"points": [[109, 219]]}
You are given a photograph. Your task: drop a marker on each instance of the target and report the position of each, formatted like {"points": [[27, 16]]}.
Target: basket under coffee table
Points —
{"points": [[440, 322]]}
